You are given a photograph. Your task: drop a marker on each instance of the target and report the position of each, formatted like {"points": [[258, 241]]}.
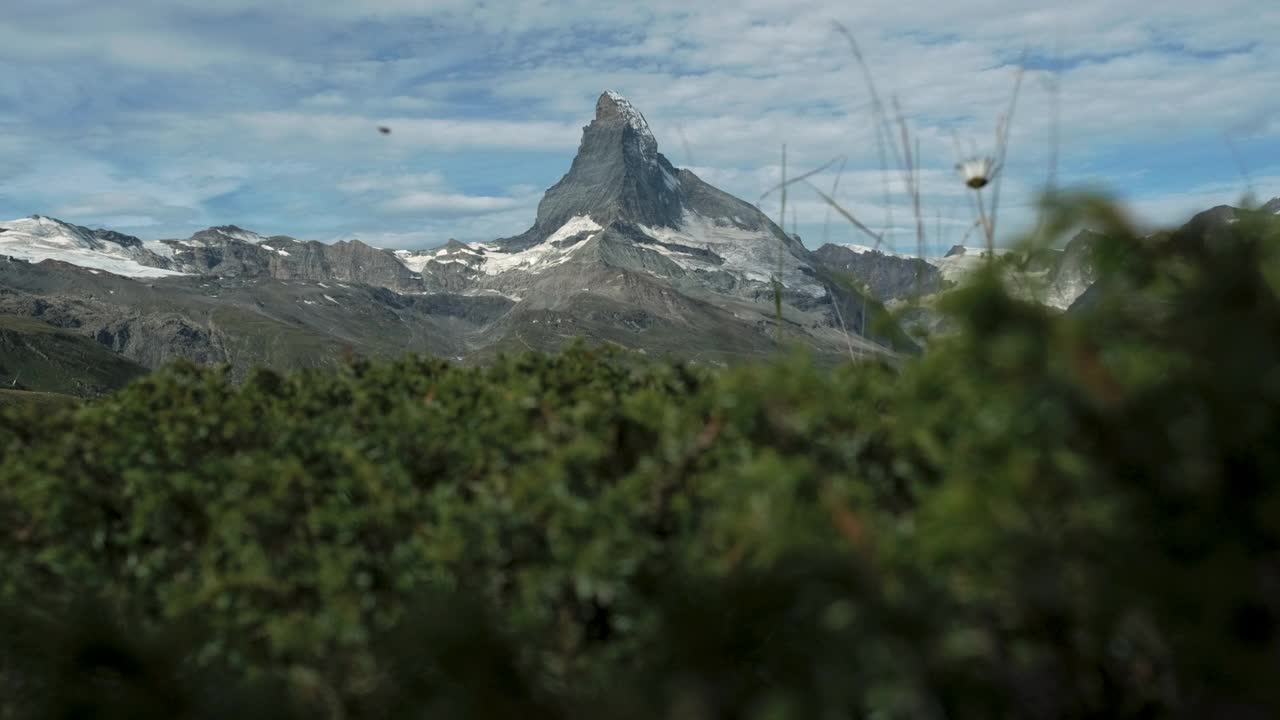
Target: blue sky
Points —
{"points": [[161, 117]]}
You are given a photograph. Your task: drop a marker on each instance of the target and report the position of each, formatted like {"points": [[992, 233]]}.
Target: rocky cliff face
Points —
{"points": [[237, 253], [617, 174], [246, 322], [1072, 272], [1055, 277], [886, 276]]}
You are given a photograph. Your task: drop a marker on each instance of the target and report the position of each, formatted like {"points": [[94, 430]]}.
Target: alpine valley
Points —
{"points": [[624, 249]]}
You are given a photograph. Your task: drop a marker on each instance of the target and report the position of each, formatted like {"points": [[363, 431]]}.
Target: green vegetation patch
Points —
{"points": [[1044, 515], [38, 357]]}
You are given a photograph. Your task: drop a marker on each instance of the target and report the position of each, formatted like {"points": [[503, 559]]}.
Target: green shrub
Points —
{"points": [[1044, 515]]}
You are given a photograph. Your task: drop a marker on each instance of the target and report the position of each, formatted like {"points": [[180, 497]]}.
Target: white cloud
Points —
{"points": [[326, 99], [429, 196], [1154, 209], [435, 133], [382, 182], [158, 51], [723, 88], [443, 203]]}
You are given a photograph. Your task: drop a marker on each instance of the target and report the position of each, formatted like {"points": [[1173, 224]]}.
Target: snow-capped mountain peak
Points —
{"points": [[38, 238], [231, 232], [51, 230], [611, 105]]}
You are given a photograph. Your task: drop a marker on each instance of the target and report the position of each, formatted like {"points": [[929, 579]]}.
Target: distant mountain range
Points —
{"points": [[1061, 278], [625, 248]]}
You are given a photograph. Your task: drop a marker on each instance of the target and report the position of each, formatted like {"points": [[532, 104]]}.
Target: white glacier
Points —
{"points": [[39, 238]]}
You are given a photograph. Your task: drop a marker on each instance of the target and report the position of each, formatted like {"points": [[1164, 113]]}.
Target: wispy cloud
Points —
{"points": [[168, 114]]}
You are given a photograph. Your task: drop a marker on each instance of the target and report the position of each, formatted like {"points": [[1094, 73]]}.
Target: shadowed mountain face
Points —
{"points": [[885, 276], [617, 174], [38, 357], [1065, 279], [1207, 232], [625, 248], [1055, 277]]}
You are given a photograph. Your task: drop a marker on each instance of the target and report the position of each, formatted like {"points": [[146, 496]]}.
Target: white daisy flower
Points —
{"points": [[977, 172]]}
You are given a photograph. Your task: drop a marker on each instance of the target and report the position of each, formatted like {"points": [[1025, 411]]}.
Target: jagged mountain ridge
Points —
{"points": [[1206, 232], [1058, 277], [619, 188], [887, 276], [1055, 277]]}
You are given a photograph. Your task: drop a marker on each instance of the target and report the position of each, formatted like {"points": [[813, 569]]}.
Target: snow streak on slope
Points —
{"points": [[548, 253], [417, 260], [752, 254], [232, 232], [158, 247], [864, 249], [37, 238], [493, 261], [631, 115]]}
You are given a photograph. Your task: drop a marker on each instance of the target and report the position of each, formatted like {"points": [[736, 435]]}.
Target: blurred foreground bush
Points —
{"points": [[1045, 516]]}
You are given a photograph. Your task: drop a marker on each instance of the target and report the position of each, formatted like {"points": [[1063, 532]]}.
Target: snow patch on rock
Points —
{"points": [[751, 254], [630, 114], [545, 254], [234, 233]]}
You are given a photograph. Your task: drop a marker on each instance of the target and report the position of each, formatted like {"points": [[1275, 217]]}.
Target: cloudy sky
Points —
{"points": [[161, 117]]}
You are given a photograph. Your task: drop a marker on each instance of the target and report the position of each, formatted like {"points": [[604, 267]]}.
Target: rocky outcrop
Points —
{"points": [[617, 173], [1073, 271], [214, 252], [886, 277]]}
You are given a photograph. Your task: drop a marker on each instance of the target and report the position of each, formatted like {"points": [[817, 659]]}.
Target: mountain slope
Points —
{"points": [[886, 276], [245, 322], [911, 285], [1211, 231], [37, 357]]}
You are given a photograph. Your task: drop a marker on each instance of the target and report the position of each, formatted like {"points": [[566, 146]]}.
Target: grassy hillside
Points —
{"points": [[1046, 515], [39, 357], [42, 401]]}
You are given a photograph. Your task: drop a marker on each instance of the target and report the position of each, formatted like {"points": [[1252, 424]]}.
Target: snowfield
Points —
{"points": [[37, 238], [753, 254], [543, 255]]}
